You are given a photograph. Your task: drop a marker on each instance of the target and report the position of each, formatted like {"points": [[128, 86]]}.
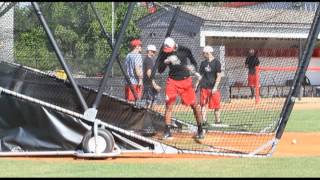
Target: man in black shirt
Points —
{"points": [[150, 87], [210, 71], [179, 82], [251, 63]]}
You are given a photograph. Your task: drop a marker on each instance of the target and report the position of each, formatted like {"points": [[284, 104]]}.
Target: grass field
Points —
{"points": [[271, 167], [300, 121]]}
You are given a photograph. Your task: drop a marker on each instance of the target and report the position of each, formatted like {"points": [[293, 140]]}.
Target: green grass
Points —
{"points": [[299, 121], [236, 167], [304, 121]]}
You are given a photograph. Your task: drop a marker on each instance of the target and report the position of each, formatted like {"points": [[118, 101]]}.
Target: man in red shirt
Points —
{"points": [[179, 82]]}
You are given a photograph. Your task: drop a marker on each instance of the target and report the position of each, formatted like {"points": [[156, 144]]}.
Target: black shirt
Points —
{"points": [[148, 63], [178, 71], [208, 71], [252, 61]]}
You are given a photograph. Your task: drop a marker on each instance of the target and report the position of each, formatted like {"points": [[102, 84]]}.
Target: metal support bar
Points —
{"points": [[111, 44], [301, 71], [263, 147], [59, 54], [7, 8], [169, 31], [105, 33], [136, 145], [114, 53]]}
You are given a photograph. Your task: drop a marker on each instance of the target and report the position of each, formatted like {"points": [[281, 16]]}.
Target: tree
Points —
{"points": [[77, 33]]}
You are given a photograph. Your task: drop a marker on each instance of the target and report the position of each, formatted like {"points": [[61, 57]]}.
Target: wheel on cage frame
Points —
{"points": [[105, 142]]}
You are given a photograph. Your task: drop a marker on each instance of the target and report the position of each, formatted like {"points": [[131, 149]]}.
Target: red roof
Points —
{"points": [[239, 4]]}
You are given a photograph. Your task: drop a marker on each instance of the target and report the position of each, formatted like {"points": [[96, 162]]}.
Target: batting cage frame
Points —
{"points": [[96, 124]]}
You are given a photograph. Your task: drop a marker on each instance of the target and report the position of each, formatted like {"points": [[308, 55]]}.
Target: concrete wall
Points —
{"points": [[307, 6], [314, 76], [6, 36]]}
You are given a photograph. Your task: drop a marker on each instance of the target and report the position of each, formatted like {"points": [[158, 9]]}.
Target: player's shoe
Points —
{"points": [[200, 133], [167, 134], [205, 124]]}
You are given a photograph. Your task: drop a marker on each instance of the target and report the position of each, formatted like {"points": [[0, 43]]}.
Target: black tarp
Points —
{"points": [[29, 126], [26, 126]]}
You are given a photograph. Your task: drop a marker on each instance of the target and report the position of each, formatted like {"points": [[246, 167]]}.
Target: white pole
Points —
{"points": [[112, 31]]}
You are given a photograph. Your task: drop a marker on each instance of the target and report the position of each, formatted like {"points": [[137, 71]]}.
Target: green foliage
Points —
{"points": [[77, 32]]}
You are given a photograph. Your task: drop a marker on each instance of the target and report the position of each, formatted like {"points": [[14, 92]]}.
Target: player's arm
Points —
{"points": [[218, 80], [192, 60], [257, 61], [219, 75], [162, 66], [247, 62], [154, 84], [199, 79]]}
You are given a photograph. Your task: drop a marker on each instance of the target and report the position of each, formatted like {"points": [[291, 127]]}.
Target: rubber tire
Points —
{"points": [[105, 134]]}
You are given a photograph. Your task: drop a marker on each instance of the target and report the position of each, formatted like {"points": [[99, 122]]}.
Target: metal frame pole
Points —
{"points": [[111, 43], [169, 31], [59, 54], [301, 71], [114, 53], [7, 8]]}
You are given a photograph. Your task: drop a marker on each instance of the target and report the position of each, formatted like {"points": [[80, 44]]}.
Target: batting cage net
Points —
{"points": [[259, 48]]}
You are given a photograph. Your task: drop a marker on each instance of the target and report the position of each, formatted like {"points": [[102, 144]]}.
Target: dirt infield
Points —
{"points": [[308, 145]]}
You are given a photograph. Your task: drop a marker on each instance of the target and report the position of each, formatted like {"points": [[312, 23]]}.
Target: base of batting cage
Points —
{"points": [[218, 143], [78, 154]]}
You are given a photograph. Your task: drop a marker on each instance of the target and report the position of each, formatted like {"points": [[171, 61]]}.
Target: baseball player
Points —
{"points": [[179, 82], [251, 63], [210, 71], [134, 64], [150, 87]]}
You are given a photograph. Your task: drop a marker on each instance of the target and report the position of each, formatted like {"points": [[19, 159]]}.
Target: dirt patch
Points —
{"points": [[307, 144]]}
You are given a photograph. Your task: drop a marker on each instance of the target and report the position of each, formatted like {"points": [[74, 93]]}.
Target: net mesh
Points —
{"points": [[277, 32]]}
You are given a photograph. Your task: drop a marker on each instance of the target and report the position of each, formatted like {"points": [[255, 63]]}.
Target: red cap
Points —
{"points": [[135, 43]]}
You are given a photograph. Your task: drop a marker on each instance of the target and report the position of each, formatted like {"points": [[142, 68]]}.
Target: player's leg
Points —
{"points": [[147, 96], [204, 113], [197, 113], [138, 91], [188, 97], [171, 94], [153, 96], [167, 118], [217, 116], [129, 96], [204, 103], [251, 83], [214, 103]]}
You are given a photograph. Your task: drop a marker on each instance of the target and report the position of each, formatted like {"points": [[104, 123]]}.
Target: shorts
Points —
{"points": [[129, 94], [183, 88], [149, 94], [213, 100], [252, 80]]}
